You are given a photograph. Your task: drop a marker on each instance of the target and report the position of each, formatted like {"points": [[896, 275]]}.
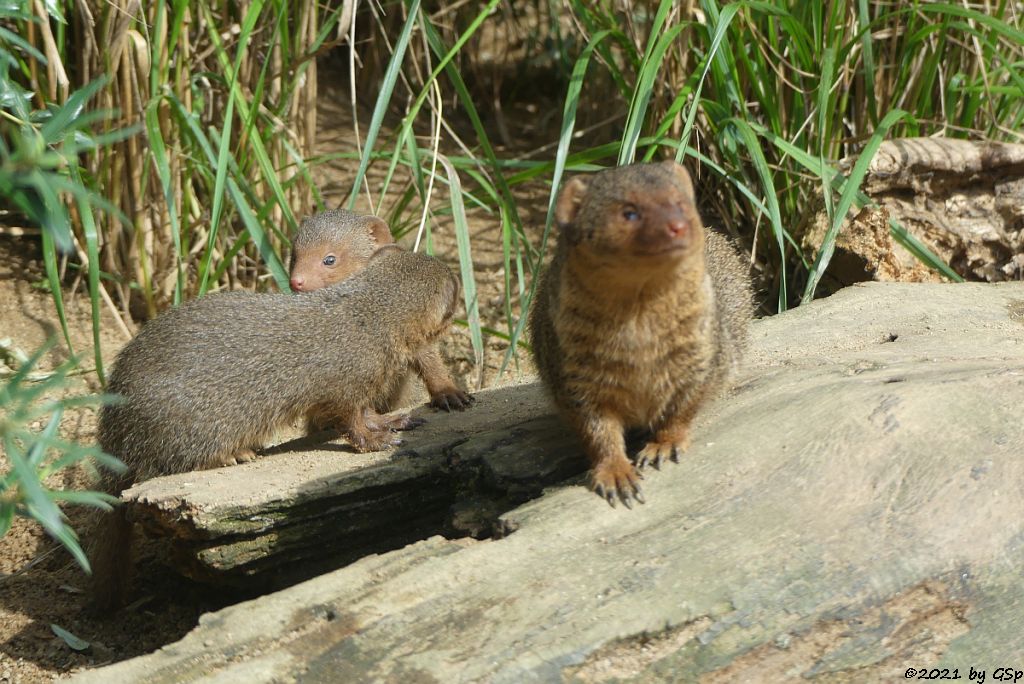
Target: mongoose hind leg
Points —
{"points": [[394, 422], [612, 475], [370, 435], [230, 459]]}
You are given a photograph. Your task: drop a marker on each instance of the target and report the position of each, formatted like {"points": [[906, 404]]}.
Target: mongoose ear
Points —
{"points": [[681, 174], [568, 203], [379, 231]]}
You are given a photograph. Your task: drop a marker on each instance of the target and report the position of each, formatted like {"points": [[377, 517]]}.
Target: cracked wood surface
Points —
{"points": [[852, 509]]}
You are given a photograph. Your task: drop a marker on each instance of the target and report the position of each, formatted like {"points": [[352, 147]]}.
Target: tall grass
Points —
{"points": [[39, 150], [222, 96], [32, 455], [762, 98]]}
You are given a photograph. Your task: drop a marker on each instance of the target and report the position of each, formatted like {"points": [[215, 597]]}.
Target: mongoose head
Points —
{"points": [[334, 245], [644, 213]]}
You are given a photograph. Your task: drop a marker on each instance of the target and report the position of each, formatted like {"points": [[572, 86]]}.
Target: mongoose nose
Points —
{"points": [[297, 283], [677, 226]]}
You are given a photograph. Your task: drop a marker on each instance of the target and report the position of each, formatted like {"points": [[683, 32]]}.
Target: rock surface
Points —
{"points": [[855, 508]]}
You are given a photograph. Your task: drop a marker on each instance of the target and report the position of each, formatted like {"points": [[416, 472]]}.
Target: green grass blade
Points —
{"points": [[753, 145], [387, 89], [853, 183], [248, 23], [465, 265], [572, 98], [645, 86], [53, 279], [813, 164], [258, 147], [93, 254], [259, 237], [163, 172], [721, 26], [824, 110]]}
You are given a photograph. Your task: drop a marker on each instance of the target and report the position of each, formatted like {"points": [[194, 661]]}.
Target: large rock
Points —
{"points": [[855, 508]]}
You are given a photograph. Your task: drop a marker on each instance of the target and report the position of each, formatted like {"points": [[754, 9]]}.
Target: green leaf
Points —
{"points": [[64, 117], [6, 514], [465, 263], [387, 88], [36, 501], [70, 639], [850, 190]]}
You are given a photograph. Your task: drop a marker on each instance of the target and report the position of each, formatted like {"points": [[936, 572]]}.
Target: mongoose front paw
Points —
{"points": [[617, 479], [656, 452], [451, 399]]}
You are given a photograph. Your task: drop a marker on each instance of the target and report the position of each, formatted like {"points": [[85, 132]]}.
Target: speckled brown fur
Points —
{"points": [[640, 318]]}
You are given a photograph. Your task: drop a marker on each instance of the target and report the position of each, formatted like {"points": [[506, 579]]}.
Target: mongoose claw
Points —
{"points": [[619, 481], [452, 399], [373, 440], [410, 424], [243, 456], [655, 453], [379, 422]]}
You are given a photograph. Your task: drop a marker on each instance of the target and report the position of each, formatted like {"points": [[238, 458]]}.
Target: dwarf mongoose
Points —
{"points": [[207, 383], [640, 318]]}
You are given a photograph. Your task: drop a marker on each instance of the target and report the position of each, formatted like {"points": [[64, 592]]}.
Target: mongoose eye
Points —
{"points": [[330, 260], [630, 214]]}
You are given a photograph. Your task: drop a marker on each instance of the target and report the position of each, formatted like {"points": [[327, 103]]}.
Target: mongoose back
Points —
{"points": [[205, 384], [640, 318], [330, 247]]}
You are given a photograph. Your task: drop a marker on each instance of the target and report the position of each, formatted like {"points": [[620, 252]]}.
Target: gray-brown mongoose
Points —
{"points": [[640, 318], [331, 246], [206, 383]]}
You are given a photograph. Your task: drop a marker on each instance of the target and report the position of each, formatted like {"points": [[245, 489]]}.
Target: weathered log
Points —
{"points": [[312, 505], [855, 508], [963, 199]]}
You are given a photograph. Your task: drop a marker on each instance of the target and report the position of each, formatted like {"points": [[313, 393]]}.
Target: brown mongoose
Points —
{"points": [[331, 246], [640, 318], [205, 384]]}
